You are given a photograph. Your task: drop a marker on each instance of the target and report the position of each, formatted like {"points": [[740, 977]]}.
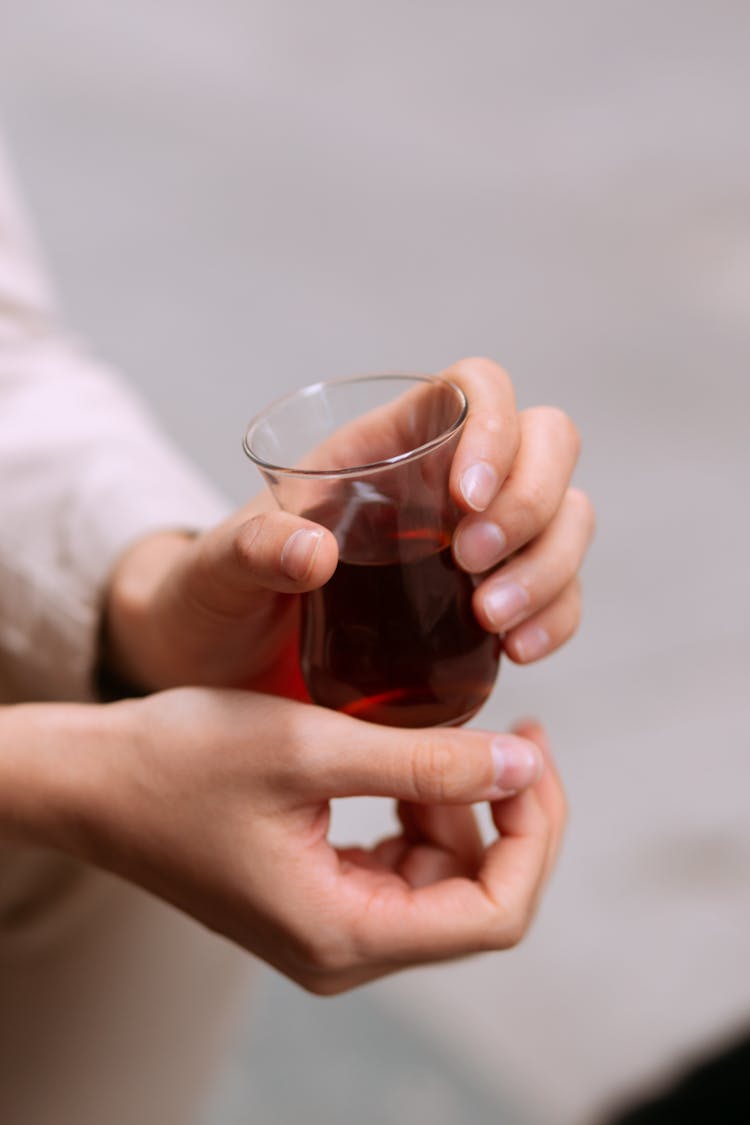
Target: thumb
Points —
{"points": [[271, 551], [429, 766]]}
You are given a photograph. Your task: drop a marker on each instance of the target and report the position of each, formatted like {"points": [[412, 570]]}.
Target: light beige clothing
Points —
{"points": [[83, 472], [113, 1006]]}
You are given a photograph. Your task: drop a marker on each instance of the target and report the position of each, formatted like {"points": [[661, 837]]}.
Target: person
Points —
{"points": [[123, 577]]}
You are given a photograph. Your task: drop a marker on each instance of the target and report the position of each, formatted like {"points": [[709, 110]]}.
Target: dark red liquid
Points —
{"points": [[397, 642]]}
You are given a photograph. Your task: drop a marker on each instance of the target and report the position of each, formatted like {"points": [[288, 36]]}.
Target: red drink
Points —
{"points": [[396, 641]]}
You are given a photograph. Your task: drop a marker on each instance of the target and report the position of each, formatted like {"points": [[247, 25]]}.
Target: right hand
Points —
{"points": [[218, 801]]}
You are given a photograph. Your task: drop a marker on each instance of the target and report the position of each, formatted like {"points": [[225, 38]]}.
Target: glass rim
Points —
{"points": [[370, 466]]}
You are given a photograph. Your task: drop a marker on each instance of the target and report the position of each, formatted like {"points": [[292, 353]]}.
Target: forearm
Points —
{"points": [[46, 783]]}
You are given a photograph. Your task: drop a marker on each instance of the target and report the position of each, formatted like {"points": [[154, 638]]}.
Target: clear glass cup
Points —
{"points": [[392, 637]]}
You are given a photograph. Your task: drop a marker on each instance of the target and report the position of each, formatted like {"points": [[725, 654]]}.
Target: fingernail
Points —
{"points": [[299, 553], [503, 602], [479, 545], [531, 642], [479, 485], [518, 764]]}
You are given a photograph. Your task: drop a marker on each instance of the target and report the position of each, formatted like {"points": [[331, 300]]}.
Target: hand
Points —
{"points": [[217, 801], [222, 608], [512, 474]]}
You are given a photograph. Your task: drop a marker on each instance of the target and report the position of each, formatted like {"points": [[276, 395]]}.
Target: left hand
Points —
{"points": [[221, 608], [524, 518]]}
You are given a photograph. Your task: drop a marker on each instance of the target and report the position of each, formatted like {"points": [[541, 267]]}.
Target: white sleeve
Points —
{"points": [[83, 473]]}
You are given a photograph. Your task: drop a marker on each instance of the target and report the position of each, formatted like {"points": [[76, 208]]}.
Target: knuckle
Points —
{"points": [[512, 922], [511, 916], [567, 612], [434, 766], [503, 933], [567, 428], [374, 923], [514, 929], [481, 366], [560, 810], [533, 500], [569, 629], [583, 506], [576, 600], [563, 809], [574, 435], [553, 420], [320, 960], [322, 986], [249, 538], [298, 755]]}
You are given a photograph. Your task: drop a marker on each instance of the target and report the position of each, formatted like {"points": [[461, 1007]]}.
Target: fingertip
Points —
{"points": [[518, 763], [480, 368], [325, 560], [309, 556], [277, 551], [528, 642], [534, 732], [491, 435], [478, 485], [299, 552]]}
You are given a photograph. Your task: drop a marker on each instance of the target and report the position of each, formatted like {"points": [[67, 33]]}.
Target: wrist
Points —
{"points": [[129, 640], [51, 786]]}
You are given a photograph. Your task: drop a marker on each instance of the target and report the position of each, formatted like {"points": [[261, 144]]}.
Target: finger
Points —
{"points": [[539, 573], [546, 630], [430, 766], [270, 551], [419, 863], [529, 497], [452, 828], [549, 794], [438, 842], [390, 851], [549, 789], [385, 856], [490, 437], [423, 865], [456, 916], [428, 913]]}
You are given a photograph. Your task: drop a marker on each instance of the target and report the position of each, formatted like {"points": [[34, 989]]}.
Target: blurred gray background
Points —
{"points": [[239, 196]]}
